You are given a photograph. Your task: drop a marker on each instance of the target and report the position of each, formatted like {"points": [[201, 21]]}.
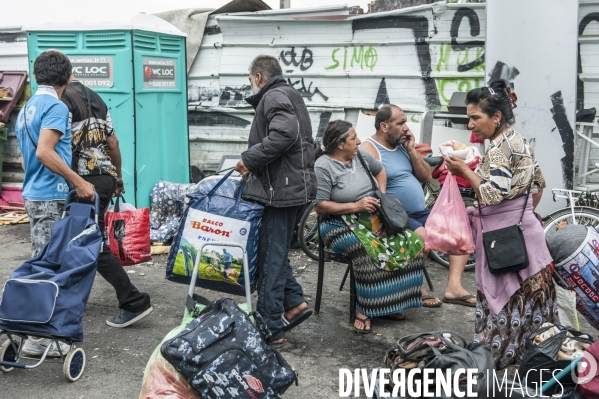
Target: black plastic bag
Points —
{"points": [[539, 361]]}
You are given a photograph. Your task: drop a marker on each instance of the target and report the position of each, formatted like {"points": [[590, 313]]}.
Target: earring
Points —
{"points": [[497, 124]]}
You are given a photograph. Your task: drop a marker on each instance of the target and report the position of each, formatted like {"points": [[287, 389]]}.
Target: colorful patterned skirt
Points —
{"points": [[378, 292], [507, 334]]}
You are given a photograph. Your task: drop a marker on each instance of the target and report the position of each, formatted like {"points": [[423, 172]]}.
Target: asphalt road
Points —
{"points": [[116, 358]]}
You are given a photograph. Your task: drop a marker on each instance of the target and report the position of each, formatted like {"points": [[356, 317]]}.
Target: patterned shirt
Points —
{"points": [[507, 168], [90, 150]]}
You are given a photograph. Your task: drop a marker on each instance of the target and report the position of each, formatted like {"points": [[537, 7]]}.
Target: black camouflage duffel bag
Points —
{"points": [[223, 355]]}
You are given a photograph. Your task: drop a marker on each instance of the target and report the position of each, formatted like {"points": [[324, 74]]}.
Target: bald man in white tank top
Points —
{"points": [[393, 145]]}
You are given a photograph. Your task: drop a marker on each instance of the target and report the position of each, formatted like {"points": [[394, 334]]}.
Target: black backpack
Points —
{"points": [[223, 355]]}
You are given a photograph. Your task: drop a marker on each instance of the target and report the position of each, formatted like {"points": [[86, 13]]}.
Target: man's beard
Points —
{"points": [[254, 87], [396, 138]]}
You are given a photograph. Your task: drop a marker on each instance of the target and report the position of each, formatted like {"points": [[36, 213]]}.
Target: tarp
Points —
{"points": [[193, 21]]}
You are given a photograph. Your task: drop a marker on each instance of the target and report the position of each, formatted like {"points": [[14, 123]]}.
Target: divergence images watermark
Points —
{"points": [[463, 383]]}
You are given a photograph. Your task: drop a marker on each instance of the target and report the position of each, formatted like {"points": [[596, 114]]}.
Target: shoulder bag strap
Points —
{"points": [[26, 128], [374, 186], [480, 212], [86, 99]]}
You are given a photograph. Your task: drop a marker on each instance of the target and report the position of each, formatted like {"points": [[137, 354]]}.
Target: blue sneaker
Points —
{"points": [[127, 318]]}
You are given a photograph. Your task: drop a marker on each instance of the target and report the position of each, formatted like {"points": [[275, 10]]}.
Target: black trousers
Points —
{"points": [[110, 269], [278, 290]]}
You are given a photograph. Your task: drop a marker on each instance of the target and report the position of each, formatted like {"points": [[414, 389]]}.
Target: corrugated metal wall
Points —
{"points": [[412, 57]]}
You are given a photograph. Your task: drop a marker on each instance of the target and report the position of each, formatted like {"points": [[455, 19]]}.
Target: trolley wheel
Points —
{"points": [[74, 364], [7, 354]]}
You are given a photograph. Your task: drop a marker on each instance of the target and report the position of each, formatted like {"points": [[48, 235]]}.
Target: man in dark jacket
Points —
{"points": [[279, 168]]}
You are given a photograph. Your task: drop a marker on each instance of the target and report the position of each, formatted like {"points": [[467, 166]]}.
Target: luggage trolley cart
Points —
{"points": [[192, 298], [80, 247]]}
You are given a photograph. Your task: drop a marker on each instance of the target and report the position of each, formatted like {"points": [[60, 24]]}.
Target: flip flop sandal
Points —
{"points": [[364, 330], [463, 300], [429, 297], [394, 318], [297, 320]]}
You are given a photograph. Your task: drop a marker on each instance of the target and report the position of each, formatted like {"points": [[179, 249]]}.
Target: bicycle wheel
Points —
{"points": [[442, 258], [212, 273], [563, 217], [307, 232]]}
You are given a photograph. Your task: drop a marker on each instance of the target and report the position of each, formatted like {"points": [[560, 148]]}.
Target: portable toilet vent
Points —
{"points": [[138, 68]]}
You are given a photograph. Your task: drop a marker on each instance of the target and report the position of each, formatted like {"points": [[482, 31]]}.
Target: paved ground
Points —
{"points": [[116, 358]]}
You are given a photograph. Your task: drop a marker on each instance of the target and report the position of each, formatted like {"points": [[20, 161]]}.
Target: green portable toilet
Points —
{"points": [[137, 65]]}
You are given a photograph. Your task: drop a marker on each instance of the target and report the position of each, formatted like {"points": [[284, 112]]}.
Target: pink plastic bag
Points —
{"points": [[447, 227]]}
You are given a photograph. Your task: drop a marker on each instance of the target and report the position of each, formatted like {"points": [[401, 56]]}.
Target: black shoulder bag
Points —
{"points": [[505, 248], [394, 217]]}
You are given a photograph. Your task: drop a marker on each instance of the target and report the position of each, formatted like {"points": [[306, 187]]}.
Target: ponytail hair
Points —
{"points": [[335, 134], [498, 96]]}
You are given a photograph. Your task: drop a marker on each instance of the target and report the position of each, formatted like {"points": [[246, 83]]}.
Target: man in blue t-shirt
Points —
{"points": [[226, 258], [44, 136]]}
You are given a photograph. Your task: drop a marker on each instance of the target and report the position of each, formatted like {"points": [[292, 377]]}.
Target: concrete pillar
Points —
{"points": [[285, 4]]}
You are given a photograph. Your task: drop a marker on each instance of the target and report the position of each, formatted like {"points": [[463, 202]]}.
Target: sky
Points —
{"points": [[24, 12]]}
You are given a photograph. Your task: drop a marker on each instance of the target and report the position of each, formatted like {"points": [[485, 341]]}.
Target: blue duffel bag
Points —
{"points": [[214, 217], [46, 296]]}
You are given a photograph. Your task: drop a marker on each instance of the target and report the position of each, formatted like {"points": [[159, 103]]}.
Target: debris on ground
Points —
{"points": [[12, 215]]}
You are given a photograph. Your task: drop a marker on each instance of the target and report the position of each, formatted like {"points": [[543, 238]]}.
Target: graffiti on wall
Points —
{"points": [[420, 27], [566, 133], [477, 45], [503, 71], [466, 55], [358, 57], [382, 96], [289, 58], [306, 92]]}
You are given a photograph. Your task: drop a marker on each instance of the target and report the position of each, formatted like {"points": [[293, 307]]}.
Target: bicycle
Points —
{"points": [[582, 208], [212, 272], [307, 232]]}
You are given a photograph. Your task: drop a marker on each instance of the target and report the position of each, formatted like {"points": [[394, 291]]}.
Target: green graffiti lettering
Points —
{"points": [[444, 53], [357, 56], [464, 59], [464, 85], [479, 53], [447, 86], [442, 83], [345, 59], [370, 58], [336, 63]]}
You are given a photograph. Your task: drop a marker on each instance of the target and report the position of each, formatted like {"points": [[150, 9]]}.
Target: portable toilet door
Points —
{"points": [[149, 114], [101, 60], [162, 143]]}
